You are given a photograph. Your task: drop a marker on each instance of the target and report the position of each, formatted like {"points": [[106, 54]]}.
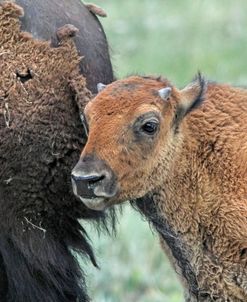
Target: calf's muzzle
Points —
{"points": [[93, 182]]}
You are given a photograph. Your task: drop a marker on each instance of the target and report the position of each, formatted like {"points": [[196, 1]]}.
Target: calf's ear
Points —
{"points": [[193, 94], [190, 98]]}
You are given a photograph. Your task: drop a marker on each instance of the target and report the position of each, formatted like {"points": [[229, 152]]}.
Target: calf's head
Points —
{"points": [[133, 130]]}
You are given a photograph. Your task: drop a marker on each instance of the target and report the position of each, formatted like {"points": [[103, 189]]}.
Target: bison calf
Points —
{"points": [[181, 157]]}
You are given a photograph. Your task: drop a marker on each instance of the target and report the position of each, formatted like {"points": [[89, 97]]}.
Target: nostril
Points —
{"points": [[96, 179], [85, 185], [93, 182], [75, 177], [90, 179]]}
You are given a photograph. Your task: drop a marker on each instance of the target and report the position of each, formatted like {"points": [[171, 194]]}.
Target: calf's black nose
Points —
{"points": [[93, 180], [85, 184]]}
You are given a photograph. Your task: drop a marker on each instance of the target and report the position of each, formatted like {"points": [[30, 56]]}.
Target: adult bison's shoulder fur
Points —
{"points": [[41, 94]]}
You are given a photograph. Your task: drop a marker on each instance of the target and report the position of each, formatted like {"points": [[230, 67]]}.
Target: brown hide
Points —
{"points": [[189, 178]]}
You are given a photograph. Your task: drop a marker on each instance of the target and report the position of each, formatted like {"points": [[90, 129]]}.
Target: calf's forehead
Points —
{"points": [[129, 96]]}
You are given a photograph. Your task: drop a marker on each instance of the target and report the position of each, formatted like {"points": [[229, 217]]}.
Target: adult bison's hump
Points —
{"points": [[42, 18], [41, 93]]}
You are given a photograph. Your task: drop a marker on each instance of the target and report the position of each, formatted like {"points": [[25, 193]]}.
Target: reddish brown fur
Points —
{"points": [[198, 173], [116, 140]]}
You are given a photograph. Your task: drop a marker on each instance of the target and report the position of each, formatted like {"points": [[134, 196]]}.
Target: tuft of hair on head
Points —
{"points": [[66, 31], [96, 10], [14, 10]]}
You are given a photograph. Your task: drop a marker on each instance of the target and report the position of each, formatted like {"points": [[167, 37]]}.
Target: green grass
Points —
{"points": [[174, 38]]}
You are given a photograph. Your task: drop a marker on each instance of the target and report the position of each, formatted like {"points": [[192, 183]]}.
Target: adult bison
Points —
{"points": [[41, 95], [43, 18], [181, 157]]}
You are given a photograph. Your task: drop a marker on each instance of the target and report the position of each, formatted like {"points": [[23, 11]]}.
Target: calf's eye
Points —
{"points": [[150, 127], [147, 125]]}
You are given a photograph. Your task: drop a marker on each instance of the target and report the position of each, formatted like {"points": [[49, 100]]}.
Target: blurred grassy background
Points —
{"points": [[175, 38]]}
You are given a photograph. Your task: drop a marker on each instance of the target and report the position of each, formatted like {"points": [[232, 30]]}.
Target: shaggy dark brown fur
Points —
{"points": [[181, 155], [43, 18], [41, 135]]}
